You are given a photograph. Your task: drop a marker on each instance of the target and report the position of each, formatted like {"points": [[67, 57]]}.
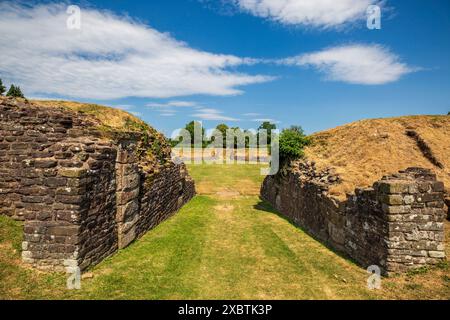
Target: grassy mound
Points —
{"points": [[112, 118], [362, 152], [153, 148]]}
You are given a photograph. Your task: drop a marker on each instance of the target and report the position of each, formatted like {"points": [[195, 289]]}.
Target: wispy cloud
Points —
{"points": [[313, 13], [110, 57], [355, 64], [251, 114], [167, 114], [170, 104], [266, 120], [124, 107], [212, 114]]}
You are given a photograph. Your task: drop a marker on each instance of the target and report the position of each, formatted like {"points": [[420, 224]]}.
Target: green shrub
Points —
{"points": [[15, 92], [292, 142], [2, 88]]}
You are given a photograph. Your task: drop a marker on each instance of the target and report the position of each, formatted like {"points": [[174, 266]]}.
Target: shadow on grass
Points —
{"points": [[265, 207]]}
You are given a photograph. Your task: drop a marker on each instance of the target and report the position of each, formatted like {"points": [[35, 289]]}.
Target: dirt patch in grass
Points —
{"points": [[224, 208], [227, 194]]}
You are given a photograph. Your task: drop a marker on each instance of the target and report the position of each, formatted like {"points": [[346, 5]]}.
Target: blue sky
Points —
{"points": [[413, 48]]}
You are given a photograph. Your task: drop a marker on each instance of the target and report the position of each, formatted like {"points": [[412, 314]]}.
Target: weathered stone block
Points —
{"points": [[127, 196], [128, 182], [392, 200], [436, 254], [72, 173], [62, 230], [69, 199], [54, 182], [389, 209], [394, 187], [130, 209]]}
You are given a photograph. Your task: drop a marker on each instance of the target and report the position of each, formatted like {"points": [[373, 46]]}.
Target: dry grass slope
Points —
{"points": [[362, 152], [113, 118], [153, 146]]}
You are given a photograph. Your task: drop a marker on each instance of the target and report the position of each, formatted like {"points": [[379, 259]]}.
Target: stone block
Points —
{"points": [[72, 173], [436, 254], [127, 196], [128, 182], [438, 186], [130, 209], [389, 209], [393, 200], [394, 187]]}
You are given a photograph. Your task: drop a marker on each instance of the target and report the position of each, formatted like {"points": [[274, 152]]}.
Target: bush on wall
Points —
{"points": [[292, 142]]}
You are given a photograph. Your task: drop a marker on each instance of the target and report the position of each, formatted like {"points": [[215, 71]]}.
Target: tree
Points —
{"points": [[190, 127], [2, 88], [14, 91], [297, 129], [292, 142], [222, 128], [266, 125]]}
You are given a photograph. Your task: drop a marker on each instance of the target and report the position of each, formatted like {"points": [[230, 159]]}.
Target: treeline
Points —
{"points": [[14, 91], [291, 141], [223, 130]]}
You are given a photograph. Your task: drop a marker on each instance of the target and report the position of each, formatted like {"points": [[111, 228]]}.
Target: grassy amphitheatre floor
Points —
{"points": [[224, 244]]}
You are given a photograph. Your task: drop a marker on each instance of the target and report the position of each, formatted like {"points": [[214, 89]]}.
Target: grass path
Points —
{"points": [[224, 244]]}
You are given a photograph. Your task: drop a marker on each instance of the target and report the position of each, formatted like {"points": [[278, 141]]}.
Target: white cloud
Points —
{"points": [[266, 120], [124, 106], [251, 114], [212, 114], [109, 57], [356, 64], [170, 104], [168, 109], [314, 13]]}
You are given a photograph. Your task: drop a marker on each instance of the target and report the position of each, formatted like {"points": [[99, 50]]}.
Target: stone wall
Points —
{"points": [[447, 203], [82, 196], [397, 224]]}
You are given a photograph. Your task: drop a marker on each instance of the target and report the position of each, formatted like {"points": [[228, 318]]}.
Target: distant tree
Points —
{"points": [[14, 91], [2, 88], [250, 136], [298, 129], [222, 128], [266, 125], [292, 141], [190, 127], [448, 113]]}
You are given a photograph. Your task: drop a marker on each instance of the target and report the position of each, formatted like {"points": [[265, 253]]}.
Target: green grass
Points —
{"points": [[221, 245], [244, 179], [17, 281]]}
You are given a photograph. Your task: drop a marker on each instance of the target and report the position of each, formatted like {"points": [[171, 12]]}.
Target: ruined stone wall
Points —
{"points": [[81, 196], [145, 199], [306, 203], [397, 224]]}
